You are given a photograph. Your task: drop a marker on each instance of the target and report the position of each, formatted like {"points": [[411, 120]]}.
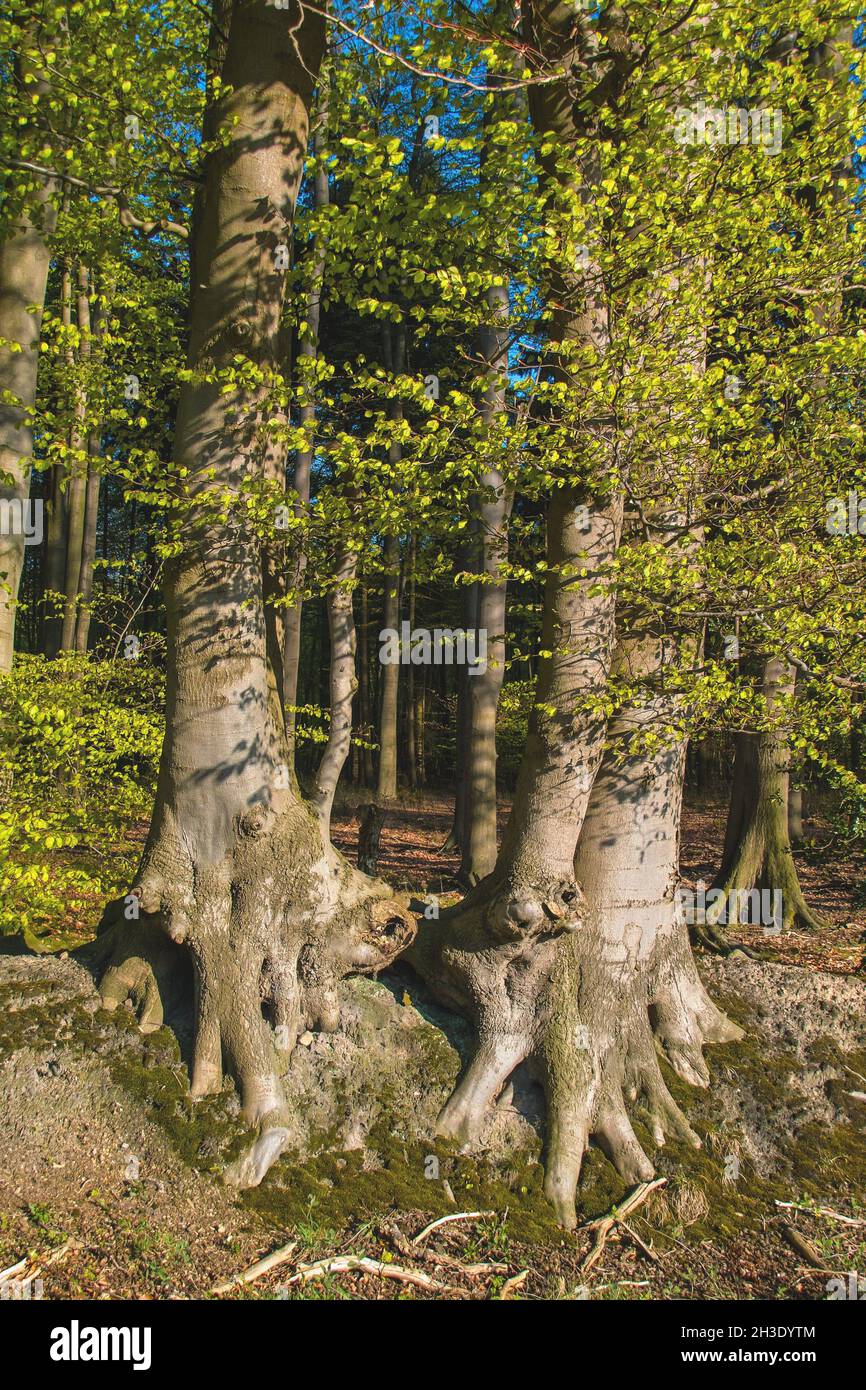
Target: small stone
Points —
{"points": [[305, 1039]]}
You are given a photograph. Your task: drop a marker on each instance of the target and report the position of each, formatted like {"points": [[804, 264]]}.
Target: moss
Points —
{"points": [[337, 1190], [396, 1174], [206, 1133]]}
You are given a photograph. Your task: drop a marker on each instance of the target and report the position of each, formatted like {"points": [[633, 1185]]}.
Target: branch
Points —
{"points": [[435, 73], [127, 217]]}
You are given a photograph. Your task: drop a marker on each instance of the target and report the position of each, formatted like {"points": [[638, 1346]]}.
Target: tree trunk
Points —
{"points": [[757, 852], [58, 517], [483, 687], [493, 956], [419, 729], [78, 472], [238, 876], [365, 690], [541, 977], [411, 741], [88, 547], [628, 982], [24, 262], [389, 677], [92, 489], [309, 347]]}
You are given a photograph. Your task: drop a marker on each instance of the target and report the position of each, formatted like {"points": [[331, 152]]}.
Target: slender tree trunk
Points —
{"points": [[92, 490], [483, 687], [366, 693], [78, 471], [238, 877], [58, 515], [309, 347], [757, 851], [24, 260], [420, 727], [389, 678], [411, 677], [88, 547]]}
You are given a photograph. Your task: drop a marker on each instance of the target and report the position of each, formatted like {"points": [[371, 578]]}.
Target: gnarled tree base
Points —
{"points": [[590, 1014], [264, 935]]}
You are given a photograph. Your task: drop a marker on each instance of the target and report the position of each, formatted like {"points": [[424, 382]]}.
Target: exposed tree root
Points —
{"points": [[591, 1020], [265, 935]]}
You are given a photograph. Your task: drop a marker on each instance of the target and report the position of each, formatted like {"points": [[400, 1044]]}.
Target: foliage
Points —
{"points": [[79, 753]]}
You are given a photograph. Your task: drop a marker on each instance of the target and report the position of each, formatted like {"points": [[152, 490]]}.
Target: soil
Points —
{"points": [[110, 1177]]}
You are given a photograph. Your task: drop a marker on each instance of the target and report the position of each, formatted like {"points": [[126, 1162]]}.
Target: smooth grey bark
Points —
{"points": [[237, 877], [627, 986], [58, 514], [482, 690], [492, 508], [365, 692], [308, 351], [78, 471], [25, 256], [343, 684], [389, 676], [492, 957]]}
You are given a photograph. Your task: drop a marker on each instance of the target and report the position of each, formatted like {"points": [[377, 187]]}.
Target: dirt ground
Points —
{"points": [[110, 1178]]}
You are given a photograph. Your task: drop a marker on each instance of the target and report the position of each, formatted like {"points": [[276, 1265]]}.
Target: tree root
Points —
{"points": [[263, 937], [589, 1019]]}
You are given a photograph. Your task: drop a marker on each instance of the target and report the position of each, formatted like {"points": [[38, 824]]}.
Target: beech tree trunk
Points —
{"points": [[78, 475], [24, 260], [309, 347], [58, 515], [578, 986], [238, 877], [628, 983], [482, 689], [757, 851], [493, 956], [389, 676]]}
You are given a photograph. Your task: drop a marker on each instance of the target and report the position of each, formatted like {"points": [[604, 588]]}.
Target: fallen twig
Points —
{"points": [[452, 1216], [603, 1225], [277, 1257], [803, 1248], [515, 1282], [346, 1264], [824, 1211], [623, 1284], [647, 1249], [13, 1270]]}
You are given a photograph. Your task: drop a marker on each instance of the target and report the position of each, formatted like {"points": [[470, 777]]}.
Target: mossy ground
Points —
{"points": [[330, 1196]]}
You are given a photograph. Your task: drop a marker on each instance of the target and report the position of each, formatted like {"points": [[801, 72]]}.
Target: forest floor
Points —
{"points": [[110, 1178]]}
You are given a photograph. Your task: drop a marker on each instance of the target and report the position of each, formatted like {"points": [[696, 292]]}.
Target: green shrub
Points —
{"points": [[79, 753]]}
